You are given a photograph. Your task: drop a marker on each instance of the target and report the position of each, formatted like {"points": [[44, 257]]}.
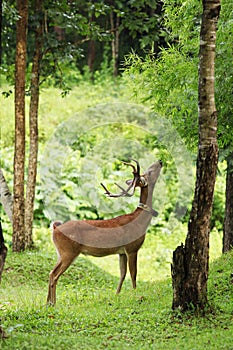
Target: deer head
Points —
{"points": [[148, 178]]}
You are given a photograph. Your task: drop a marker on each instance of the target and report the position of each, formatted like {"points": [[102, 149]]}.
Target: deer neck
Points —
{"points": [[146, 200], [146, 196]]}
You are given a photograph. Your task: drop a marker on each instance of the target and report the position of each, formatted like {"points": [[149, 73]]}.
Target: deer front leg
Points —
{"points": [[123, 270], [132, 257]]}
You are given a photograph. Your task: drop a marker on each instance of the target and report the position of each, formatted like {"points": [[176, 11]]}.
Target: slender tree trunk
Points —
{"points": [[19, 155], [91, 55], [3, 252], [6, 197], [33, 120], [228, 221], [0, 32], [115, 42], [191, 262], [91, 49]]}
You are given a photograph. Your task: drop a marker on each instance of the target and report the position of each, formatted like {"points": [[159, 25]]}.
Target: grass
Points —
{"points": [[89, 315]]}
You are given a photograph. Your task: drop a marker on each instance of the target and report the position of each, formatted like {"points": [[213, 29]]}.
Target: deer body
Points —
{"points": [[123, 235]]}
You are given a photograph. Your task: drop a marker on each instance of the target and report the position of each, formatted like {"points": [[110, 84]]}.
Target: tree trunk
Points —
{"points": [[3, 252], [115, 42], [91, 55], [91, 49], [0, 32], [228, 221], [33, 120], [19, 155], [6, 197], [191, 262]]}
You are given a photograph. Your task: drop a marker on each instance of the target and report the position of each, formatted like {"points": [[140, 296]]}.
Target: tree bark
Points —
{"points": [[3, 252], [191, 262], [115, 41], [0, 32], [19, 154], [228, 221], [33, 127], [6, 197], [91, 55]]}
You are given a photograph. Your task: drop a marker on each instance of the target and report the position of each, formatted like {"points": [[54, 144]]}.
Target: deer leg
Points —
{"points": [[50, 298], [123, 270], [58, 270], [132, 257]]}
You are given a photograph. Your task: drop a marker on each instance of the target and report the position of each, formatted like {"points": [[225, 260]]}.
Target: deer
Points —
{"points": [[122, 235]]}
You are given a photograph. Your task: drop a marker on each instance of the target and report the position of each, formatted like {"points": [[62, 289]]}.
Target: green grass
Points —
{"points": [[89, 315]]}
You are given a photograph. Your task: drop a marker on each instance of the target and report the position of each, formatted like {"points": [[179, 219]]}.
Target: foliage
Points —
{"points": [[170, 82], [89, 314], [99, 149], [70, 27], [224, 79], [170, 85], [53, 110], [183, 23], [142, 19]]}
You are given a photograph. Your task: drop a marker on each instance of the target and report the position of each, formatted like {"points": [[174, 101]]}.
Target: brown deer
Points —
{"points": [[122, 235]]}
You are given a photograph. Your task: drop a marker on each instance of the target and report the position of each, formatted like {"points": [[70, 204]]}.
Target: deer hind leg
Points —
{"points": [[58, 270], [51, 299], [132, 257], [123, 270]]}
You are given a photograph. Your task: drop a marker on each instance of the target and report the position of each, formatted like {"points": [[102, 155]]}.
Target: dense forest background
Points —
{"points": [[151, 48]]}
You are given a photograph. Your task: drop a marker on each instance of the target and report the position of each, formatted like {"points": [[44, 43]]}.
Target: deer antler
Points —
{"points": [[132, 183]]}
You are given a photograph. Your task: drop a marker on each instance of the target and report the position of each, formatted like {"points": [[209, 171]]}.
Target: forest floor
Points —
{"points": [[90, 315]]}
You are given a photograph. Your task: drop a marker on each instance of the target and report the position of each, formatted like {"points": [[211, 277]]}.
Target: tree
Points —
{"points": [[135, 25], [6, 197], [3, 251], [191, 262], [55, 49], [0, 32], [115, 23], [173, 89], [19, 154], [33, 124]]}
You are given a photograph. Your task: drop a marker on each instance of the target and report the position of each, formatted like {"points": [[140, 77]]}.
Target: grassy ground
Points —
{"points": [[89, 315]]}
